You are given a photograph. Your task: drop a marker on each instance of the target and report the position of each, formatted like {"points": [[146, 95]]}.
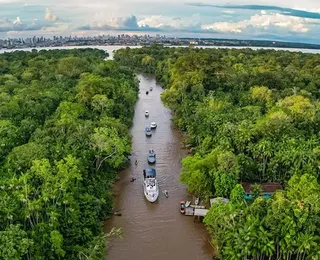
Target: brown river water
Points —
{"points": [[157, 230]]}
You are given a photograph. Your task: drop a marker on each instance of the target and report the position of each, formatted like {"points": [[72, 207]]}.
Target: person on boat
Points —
{"points": [[136, 162]]}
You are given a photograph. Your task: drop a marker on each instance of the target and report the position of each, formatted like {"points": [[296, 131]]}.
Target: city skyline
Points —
{"points": [[296, 21]]}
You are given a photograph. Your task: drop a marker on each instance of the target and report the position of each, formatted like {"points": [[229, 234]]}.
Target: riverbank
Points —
{"points": [[111, 48]]}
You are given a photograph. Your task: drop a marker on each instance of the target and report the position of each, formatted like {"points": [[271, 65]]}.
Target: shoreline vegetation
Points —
{"points": [[127, 40], [250, 116], [64, 125]]}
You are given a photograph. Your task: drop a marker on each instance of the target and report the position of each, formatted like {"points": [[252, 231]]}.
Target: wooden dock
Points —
{"points": [[197, 212], [197, 207], [200, 212], [189, 211]]}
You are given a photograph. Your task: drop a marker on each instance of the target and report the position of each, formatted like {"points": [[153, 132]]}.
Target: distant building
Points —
{"points": [[193, 43], [267, 189]]}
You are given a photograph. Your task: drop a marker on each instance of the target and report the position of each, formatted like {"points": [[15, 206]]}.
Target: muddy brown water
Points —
{"points": [[155, 231]]}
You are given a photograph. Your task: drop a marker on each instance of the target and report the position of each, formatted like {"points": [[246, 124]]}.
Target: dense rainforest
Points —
{"points": [[250, 116], [64, 120]]}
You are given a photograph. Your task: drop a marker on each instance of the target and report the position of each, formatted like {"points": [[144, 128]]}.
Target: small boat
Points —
{"points": [[182, 207], [151, 157], [132, 179], [146, 113], [166, 193], [188, 202], [147, 92], [196, 202], [150, 185], [151, 88], [148, 131], [153, 125]]}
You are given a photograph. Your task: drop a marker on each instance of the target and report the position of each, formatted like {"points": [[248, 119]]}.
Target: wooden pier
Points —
{"points": [[196, 212], [189, 211], [200, 213]]}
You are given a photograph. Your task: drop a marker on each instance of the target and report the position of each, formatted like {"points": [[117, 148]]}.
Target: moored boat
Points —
{"points": [[148, 131], [182, 207], [153, 125], [151, 156], [150, 184]]}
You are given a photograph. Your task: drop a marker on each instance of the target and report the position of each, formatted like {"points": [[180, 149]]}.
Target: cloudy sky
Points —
{"points": [[292, 20]]}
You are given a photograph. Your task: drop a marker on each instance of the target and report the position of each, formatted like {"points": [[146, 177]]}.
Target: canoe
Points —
{"points": [[182, 207]]}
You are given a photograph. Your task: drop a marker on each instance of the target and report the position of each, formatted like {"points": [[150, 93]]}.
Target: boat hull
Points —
{"points": [[153, 194], [150, 198], [151, 158]]}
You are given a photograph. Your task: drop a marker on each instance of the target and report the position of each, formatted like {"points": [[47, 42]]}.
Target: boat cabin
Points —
{"points": [[149, 173]]}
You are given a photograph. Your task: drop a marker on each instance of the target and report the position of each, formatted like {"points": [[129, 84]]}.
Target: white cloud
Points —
{"points": [[159, 21], [17, 25], [264, 21], [99, 22], [152, 21], [49, 16], [57, 28], [17, 21]]}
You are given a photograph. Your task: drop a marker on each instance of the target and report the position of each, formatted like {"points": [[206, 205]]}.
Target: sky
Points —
{"points": [[286, 20]]}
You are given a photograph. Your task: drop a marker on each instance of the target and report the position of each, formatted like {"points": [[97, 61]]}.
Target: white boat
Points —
{"points": [[146, 113], [196, 202], [150, 185], [188, 202], [153, 125], [166, 193]]}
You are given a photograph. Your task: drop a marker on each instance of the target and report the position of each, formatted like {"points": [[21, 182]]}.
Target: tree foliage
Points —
{"points": [[62, 114], [249, 115]]}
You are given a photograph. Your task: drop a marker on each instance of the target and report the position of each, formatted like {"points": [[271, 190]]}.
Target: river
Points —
{"points": [[111, 48], [155, 231]]}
